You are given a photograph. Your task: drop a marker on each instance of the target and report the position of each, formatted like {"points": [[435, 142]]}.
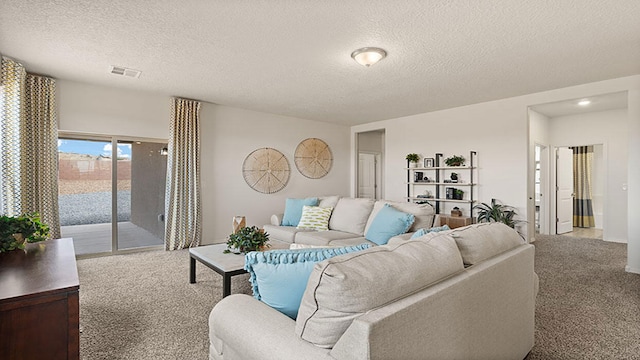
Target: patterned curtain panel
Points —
{"points": [[582, 202], [183, 226], [11, 118], [40, 151]]}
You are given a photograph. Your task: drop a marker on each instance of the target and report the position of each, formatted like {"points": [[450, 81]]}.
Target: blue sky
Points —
{"points": [[92, 148]]}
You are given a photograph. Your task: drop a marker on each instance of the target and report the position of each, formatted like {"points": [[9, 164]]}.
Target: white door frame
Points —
{"points": [[545, 219]]}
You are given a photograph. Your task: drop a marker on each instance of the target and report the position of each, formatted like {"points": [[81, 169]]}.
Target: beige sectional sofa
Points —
{"points": [[467, 293], [349, 222]]}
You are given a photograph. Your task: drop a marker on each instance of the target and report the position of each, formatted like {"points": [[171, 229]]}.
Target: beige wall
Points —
{"points": [[228, 135], [499, 132], [610, 129]]}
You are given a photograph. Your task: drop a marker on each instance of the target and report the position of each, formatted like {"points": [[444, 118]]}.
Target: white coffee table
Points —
{"points": [[227, 265]]}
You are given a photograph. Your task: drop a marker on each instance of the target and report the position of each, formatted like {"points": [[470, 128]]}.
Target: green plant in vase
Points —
{"points": [[459, 194], [455, 160], [413, 159], [15, 231], [248, 238]]}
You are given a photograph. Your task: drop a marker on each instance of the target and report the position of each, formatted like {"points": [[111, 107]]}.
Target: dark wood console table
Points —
{"points": [[39, 307]]}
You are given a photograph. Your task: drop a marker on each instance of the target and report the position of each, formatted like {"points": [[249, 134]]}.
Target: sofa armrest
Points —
{"points": [[241, 327], [276, 219]]}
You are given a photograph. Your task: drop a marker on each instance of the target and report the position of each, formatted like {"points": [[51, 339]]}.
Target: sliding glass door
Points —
{"points": [[141, 190], [111, 200]]}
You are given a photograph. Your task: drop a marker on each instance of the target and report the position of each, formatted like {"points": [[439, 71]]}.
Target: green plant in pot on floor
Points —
{"points": [[497, 212], [248, 238], [15, 231]]}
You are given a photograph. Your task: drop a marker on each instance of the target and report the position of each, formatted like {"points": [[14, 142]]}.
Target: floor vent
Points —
{"points": [[122, 71]]}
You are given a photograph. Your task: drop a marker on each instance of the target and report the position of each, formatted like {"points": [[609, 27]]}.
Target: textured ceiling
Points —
{"points": [[292, 57], [603, 102]]}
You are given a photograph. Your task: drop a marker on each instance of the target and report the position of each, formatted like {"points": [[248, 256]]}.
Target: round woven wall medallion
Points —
{"points": [[313, 158], [266, 170]]}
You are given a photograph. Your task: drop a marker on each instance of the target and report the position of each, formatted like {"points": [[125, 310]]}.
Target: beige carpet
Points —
{"points": [[141, 306], [588, 307]]}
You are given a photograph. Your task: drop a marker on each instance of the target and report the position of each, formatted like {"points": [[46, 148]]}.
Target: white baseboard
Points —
{"points": [[619, 241], [629, 269]]}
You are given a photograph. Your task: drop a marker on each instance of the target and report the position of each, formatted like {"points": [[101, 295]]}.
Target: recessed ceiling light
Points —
{"points": [[584, 102]]}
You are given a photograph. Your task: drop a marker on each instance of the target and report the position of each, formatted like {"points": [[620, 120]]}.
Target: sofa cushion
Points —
{"points": [[283, 233], [388, 222], [425, 231], [293, 210], [323, 237], [351, 242], [423, 213], [481, 241], [279, 277], [315, 217], [367, 280], [350, 215], [328, 201]]}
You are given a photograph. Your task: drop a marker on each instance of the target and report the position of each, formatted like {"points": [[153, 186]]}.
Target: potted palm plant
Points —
{"points": [[496, 212], [15, 231]]}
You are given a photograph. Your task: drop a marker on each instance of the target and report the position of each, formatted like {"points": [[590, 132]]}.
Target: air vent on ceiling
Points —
{"points": [[123, 71]]}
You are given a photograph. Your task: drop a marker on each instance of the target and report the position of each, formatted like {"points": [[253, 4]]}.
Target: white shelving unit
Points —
{"points": [[437, 186]]}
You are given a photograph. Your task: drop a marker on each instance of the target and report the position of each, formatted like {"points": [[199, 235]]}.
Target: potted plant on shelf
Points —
{"points": [[413, 159], [15, 231], [455, 160], [459, 194], [248, 238], [497, 212]]}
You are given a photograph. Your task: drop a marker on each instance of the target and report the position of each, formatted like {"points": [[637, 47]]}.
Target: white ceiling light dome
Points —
{"points": [[368, 56]]}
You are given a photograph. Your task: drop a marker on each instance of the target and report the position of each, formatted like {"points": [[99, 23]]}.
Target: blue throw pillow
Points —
{"points": [[388, 223], [293, 210], [279, 277], [425, 231]]}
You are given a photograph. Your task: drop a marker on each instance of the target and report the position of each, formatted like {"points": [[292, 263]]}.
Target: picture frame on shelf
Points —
{"points": [[429, 162]]}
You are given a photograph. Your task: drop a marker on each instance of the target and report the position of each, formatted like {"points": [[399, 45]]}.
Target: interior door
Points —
{"points": [[564, 190], [367, 175]]}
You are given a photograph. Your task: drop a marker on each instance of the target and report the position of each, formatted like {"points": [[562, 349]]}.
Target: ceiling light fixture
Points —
{"points": [[368, 56], [584, 102]]}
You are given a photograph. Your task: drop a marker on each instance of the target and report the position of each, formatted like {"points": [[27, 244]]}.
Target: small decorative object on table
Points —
{"points": [[248, 238], [456, 211], [454, 177], [16, 230], [239, 222]]}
